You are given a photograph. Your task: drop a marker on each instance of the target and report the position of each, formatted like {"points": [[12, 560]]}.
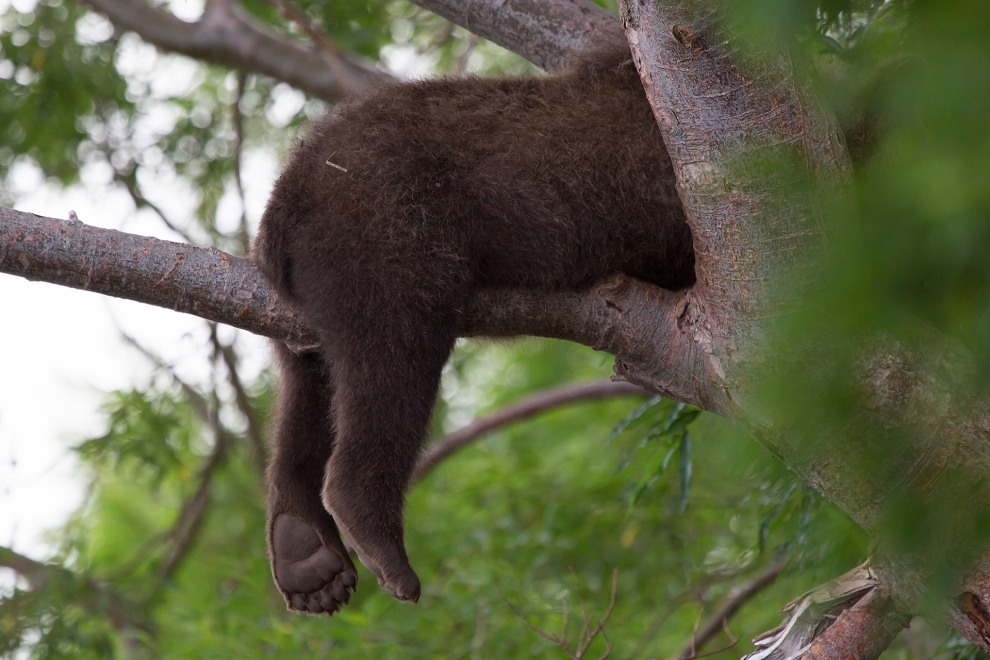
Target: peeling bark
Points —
{"points": [[862, 632]]}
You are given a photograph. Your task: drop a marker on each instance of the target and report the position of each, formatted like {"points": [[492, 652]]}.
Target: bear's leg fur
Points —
{"points": [[309, 561], [387, 381]]}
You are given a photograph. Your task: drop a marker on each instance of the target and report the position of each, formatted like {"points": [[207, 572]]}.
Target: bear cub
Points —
{"points": [[392, 212]]}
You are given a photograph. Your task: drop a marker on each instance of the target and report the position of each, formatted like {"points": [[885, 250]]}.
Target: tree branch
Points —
{"points": [[548, 33], [219, 287], [228, 36], [299, 17], [727, 609], [861, 632], [520, 410], [35, 572]]}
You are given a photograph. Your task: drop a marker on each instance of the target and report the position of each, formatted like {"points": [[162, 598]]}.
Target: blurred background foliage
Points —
{"points": [[166, 558]]}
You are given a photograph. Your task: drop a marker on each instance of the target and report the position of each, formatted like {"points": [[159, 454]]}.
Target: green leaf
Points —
{"points": [[632, 418], [685, 470]]}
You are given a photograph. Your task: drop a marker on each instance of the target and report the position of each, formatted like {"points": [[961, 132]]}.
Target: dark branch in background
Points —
{"points": [[140, 201], [35, 572], [548, 33], [238, 120], [520, 410], [726, 610], [198, 402], [100, 598], [227, 35], [190, 517], [299, 17], [243, 401]]}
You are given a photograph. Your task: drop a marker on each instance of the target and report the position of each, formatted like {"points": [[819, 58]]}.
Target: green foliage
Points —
{"points": [[150, 435], [537, 513], [670, 424], [52, 86]]}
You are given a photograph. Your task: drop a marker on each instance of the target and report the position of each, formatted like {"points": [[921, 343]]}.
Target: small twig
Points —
{"points": [[586, 636], [299, 17], [238, 120], [563, 633], [198, 402], [604, 619], [524, 409], [608, 648], [585, 620], [140, 201], [693, 644], [733, 641], [726, 610], [522, 617]]}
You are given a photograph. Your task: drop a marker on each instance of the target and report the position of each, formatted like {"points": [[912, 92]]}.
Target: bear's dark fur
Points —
{"points": [[391, 212]]}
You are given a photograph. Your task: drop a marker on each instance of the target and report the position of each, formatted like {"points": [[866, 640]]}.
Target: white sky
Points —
{"points": [[60, 350]]}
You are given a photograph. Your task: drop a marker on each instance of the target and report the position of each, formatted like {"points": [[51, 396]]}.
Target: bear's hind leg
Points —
{"points": [[387, 380], [310, 565]]}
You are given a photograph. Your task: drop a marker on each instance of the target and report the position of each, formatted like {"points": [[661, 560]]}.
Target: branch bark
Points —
{"points": [[548, 33], [220, 287], [864, 630], [228, 36]]}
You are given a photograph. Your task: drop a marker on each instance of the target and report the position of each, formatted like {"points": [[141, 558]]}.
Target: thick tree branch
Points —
{"points": [[520, 410], [548, 33], [216, 286], [35, 572], [227, 35]]}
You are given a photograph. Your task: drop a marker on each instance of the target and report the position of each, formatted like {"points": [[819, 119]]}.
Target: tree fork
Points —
{"points": [[712, 112]]}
